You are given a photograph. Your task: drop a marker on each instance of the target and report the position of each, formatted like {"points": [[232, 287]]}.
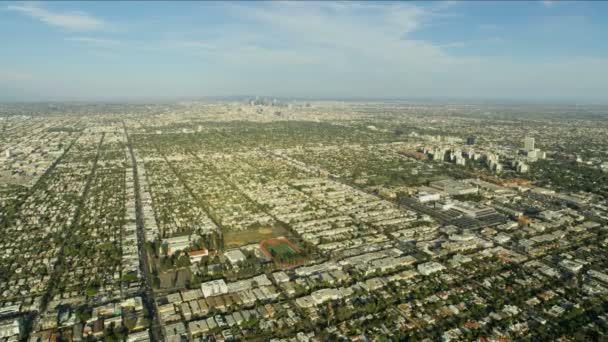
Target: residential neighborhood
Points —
{"points": [[185, 223]]}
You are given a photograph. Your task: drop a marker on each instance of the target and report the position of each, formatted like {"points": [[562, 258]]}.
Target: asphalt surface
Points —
{"points": [[147, 291]]}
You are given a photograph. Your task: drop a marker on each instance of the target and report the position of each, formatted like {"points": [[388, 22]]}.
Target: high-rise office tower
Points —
{"points": [[529, 144]]}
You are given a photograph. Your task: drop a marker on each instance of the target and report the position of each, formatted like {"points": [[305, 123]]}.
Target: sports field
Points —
{"points": [[282, 250], [238, 238]]}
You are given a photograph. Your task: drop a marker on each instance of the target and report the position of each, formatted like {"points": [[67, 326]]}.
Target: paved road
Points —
{"points": [[31, 326], [147, 293]]}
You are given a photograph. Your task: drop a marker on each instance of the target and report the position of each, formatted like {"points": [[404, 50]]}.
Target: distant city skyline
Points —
{"points": [[540, 51]]}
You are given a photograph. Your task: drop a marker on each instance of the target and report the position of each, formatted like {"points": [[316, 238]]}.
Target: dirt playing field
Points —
{"points": [[240, 238], [265, 231]]}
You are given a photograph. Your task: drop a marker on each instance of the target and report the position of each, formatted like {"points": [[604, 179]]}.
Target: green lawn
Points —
{"points": [[282, 251]]}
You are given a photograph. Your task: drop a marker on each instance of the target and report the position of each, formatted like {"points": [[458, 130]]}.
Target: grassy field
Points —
{"points": [[234, 238], [282, 251]]}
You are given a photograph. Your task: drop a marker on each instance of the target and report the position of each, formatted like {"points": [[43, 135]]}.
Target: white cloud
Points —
{"points": [[343, 35], [95, 41], [75, 21], [367, 49], [548, 3]]}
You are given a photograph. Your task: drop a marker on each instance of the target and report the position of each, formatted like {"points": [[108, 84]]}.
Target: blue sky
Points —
{"points": [[536, 50]]}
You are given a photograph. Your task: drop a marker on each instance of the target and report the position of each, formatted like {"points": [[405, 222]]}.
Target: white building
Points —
{"points": [[571, 265], [471, 209], [529, 143], [522, 167], [427, 194], [133, 302], [430, 268], [214, 288], [323, 295], [235, 256], [141, 336], [603, 277], [454, 187], [305, 302], [262, 280], [280, 277], [9, 328], [177, 243]]}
